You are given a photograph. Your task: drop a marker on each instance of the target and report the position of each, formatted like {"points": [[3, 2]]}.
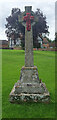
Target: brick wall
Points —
{"points": [[3, 46], [45, 45]]}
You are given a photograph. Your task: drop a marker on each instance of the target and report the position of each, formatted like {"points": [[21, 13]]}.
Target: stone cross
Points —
{"points": [[28, 19], [29, 87]]}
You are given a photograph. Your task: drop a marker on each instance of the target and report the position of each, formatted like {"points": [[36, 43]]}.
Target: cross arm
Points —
{"points": [[35, 18], [20, 18]]}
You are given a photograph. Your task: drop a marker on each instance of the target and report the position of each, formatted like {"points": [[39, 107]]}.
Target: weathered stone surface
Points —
{"points": [[29, 75], [28, 9], [29, 87], [22, 97], [28, 49]]}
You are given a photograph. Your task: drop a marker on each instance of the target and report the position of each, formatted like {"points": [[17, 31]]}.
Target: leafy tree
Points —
{"points": [[40, 26], [14, 29]]}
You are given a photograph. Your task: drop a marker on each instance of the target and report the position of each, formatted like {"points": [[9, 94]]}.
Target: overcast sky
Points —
{"points": [[46, 6], [56, 16]]}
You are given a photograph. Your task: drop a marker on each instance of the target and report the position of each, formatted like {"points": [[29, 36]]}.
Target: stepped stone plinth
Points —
{"points": [[29, 87]]}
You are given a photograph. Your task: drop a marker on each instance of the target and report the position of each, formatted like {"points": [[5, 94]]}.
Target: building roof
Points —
{"points": [[45, 40], [3, 42], [52, 44]]}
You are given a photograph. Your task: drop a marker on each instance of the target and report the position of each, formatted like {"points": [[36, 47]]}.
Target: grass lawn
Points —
{"points": [[12, 62]]}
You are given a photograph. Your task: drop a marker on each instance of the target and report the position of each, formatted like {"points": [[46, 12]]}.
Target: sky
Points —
{"points": [[46, 6], [56, 16]]}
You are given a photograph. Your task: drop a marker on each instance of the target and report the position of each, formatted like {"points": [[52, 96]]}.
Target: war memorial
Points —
{"points": [[29, 88]]}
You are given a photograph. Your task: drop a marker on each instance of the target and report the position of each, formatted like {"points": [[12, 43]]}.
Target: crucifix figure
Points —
{"points": [[29, 87]]}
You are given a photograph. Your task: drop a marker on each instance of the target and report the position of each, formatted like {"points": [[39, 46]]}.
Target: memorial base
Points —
{"points": [[29, 88]]}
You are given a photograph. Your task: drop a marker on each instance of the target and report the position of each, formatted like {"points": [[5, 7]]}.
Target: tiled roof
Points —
{"points": [[3, 42], [52, 44], [45, 40]]}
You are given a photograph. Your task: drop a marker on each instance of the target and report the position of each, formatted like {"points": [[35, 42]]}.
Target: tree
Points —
{"points": [[14, 29], [40, 26]]}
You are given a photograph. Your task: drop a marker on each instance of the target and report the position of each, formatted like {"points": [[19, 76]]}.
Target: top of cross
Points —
{"points": [[28, 9]]}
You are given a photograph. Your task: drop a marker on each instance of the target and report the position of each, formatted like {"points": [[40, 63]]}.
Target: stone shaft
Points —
{"points": [[28, 48]]}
